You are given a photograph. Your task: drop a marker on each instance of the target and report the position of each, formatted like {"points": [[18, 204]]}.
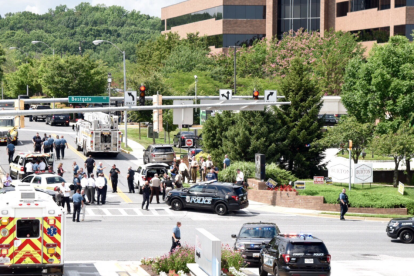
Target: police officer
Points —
{"points": [[343, 201], [211, 175], [10, 151], [130, 178], [146, 192], [51, 141], [90, 164], [176, 236], [37, 143], [46, 145], [63, 145], [57, 147], [114, 178]]}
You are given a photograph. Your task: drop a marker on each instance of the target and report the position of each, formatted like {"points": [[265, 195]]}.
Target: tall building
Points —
{"points": [[236, 22]]}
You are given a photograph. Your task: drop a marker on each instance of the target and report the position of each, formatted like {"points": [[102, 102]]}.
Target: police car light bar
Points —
{"points": [[301, 235]]}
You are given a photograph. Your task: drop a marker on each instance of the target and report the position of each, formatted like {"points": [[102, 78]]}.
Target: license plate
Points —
{"points": [[308, 261], [61, 117], [256, 255]]}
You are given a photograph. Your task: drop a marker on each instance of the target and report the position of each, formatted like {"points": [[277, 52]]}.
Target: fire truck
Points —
{"points": [[98, 132], [32, 233]]}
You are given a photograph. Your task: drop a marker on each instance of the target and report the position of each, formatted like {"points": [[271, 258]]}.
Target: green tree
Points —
{"points": [[347, 129], [299, 123], [26, 74], [73, 75], [2, 61], [167, 122]]}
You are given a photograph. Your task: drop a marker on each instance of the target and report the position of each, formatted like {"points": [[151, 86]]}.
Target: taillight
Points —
{"points": [[21, 169], [328, 259], [193, 151], [182, 137], [236, 198], [53, 116], [286, 257], [4, 252], [67, 121]]}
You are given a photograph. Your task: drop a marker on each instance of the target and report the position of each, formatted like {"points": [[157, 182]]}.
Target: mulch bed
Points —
{"points": [[151, 272]]}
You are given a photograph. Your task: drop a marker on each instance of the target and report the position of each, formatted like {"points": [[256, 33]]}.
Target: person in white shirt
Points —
{"points": [[100, 184], [91, 189], [42, 166], [239, 177], [209, 163], [84, 183], [6, 180], [29, 167], [184, 171], [65, 191]]}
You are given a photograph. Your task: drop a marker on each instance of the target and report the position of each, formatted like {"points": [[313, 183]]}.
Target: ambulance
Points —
{"points": [[31, 233]]}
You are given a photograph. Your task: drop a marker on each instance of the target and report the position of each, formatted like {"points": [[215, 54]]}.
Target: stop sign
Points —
{"points": [[189, 142]]}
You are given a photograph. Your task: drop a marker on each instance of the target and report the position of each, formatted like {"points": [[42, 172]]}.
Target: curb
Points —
{"points": [[349, 217], [142, 271]]}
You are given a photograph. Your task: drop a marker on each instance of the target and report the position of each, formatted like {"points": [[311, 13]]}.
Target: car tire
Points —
{"points": [[35, 119], [407, 236], [176, 205], [276, 271], [220, 209], [262, 272]]}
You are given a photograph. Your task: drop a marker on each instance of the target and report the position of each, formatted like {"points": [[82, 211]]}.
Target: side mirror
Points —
{"points": [[234, 236]]}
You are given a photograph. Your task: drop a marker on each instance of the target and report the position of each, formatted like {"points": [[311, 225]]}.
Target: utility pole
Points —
{"points": [[235, 51], [350, 162]]}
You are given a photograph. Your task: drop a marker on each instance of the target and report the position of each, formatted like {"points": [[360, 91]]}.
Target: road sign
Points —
{"points": [[270, 95], [241, 108], [183, 116], [130, 98], [225, 94], [189, 142], [318, 180], [300, 185], [401, 188], [88, 99]]}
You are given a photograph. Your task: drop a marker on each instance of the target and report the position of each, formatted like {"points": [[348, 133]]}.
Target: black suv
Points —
{"points": [[58, 119], [251, 237], [217, 196], [43, 116], [180, 137], [402, 228], [295, 254]]}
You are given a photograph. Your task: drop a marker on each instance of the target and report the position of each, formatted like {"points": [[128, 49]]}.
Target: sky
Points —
{"points": [[151, 7]]}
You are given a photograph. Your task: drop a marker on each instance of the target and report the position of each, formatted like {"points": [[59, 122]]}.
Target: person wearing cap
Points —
{"points": [[194, 169], [130, 179], [155, 188], [209, 163], [239, 177], [114, 178], [56, 144]]}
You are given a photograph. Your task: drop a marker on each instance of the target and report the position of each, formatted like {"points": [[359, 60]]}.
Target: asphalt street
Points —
{"points": [[121, 231]]}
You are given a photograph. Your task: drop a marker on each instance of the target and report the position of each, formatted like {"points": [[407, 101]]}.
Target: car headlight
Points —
{"points": [[240, 246], [395, 224]]}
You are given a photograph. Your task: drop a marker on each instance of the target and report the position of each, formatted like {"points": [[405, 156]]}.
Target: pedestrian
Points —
{"points": [[29, 167], [155, 188], [91, 189], [10, 151], [56, 144], [31, 116], [168, 186], [63, 145], [343, 201], [81, 173], [130, 179], [226, 162], [6, 180], [100, 184], [65, 192], [85, 186], [194, 169], [114, 178], [89, 165], [209, 163], [239, 177], [42, 165], [75, 168], [37, 143], [77, 205], [35, 166], [60, 170], [174, 169], [164, 178], [44, 137], [211, 175], [183, 169], [178, 180], [146, 192], [46, 145], [51, 142], [100, 168], [76, 183], [176, 236], [202, 169]]}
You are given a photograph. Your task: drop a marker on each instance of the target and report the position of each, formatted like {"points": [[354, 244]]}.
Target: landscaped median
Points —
{"points": [[376, 199]]}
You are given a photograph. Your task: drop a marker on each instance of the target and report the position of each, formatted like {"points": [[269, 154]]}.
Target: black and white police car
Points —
{"points": [[218, 196], [295, 254], [402, 228]]}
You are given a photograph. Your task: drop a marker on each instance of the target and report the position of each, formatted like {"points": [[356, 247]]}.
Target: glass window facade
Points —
{"points": [[220, 12], [227, 40], [404, 3], [359, 5], [296, 14], [342, 9], [405, 30], [381, 35]]}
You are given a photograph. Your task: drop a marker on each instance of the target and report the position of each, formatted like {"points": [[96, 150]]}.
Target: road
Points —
{"points": [[121, 231]]}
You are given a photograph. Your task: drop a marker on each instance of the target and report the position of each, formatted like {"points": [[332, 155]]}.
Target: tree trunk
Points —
{"points": [[139, 130], [290, 168], [355, 156], [395, 178], [408, 170]]}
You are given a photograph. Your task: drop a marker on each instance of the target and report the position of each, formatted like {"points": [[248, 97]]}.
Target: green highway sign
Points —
{"points": [[88, 99]]}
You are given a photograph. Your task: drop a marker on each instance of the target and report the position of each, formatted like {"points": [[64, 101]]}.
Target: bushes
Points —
{"points": [[282, 177]]}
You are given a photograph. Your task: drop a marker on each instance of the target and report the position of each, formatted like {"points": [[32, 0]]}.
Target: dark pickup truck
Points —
{"points": [[42, 116], [58, 119]]}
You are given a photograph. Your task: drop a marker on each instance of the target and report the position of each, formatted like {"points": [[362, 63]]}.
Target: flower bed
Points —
{"points": [[282, 188]]}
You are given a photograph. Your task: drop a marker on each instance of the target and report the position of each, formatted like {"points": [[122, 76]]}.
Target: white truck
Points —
{"points": [[98, 132]]}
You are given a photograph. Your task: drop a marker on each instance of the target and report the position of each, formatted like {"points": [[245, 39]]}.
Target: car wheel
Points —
{"points": [[407, 236], [262, 272], [221, 209], [276, 271], [177, 205]]}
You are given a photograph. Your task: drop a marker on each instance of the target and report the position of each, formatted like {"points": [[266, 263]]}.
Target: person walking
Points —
{"points": [[91, 189], [89, 165], [194, 169], [178, 180], [85, 187], [56, 144], [31, 116], [75, 168], [77, 204], [100, 168], [60, 170], [44, 137], [45, 146], [51, 142], [63, 145], [146, 192], [114, 178], [176, 236], [226, 162], [10, 151], [130, 178], [65, 191], [100, 184], [343, 201], [155, 188], [183, 169]]}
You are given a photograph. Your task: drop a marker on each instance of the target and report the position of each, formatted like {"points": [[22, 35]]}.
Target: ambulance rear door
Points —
{"points": [[52, 240]]}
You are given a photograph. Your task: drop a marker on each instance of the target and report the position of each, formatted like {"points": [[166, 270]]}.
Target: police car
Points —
{"points": [[402, 228], [295, 254], [18, 166], [217, 196], [251, 237]]}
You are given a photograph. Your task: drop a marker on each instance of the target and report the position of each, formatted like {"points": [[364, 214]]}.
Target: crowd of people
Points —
{"points": [[49, 144]]}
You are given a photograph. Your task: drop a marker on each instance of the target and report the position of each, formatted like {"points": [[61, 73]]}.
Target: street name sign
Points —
{"points": [[225, 94], [241, 108], [130, 98], [270, 96], [88, 99]]}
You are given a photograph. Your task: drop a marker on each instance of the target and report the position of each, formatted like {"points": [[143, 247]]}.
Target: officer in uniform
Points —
{"points": [[343, 201], [51, 141], [46, 145], [10, 151], [63, 145], [57, 147], [37, 143], [130, 178]]}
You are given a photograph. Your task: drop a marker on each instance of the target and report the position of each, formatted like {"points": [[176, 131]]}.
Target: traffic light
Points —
{"points": [[142, 90], [255, 94]]}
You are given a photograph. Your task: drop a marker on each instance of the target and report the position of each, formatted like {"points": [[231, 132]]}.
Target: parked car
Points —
{"points": [[180, 137], [18, 166], [40, 117], [159, 154], [147, 172], [58, 119]]}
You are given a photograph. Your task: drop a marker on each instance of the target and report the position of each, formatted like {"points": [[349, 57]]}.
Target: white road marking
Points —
{"points": [[139, 213], [106, 211], [122, 211], [154, 212], [89, 211]]}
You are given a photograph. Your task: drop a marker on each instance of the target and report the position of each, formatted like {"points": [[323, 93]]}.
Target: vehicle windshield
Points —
{"points": [[308, 248], [239, 191], [55, 180], [163, 150], [43, 107], [6, 123], [258, 232], [187, 133]]}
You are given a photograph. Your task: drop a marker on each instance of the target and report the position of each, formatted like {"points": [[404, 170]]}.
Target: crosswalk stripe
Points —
{"points": [[89, 211], [106, 211], [139, 213], [122, 211], [154, 212], [169, 211]]}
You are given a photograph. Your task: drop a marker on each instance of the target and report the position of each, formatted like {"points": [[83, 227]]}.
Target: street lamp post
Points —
{"points": [[97, 42], [235, 50], [53, 50], [109, 88]]}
